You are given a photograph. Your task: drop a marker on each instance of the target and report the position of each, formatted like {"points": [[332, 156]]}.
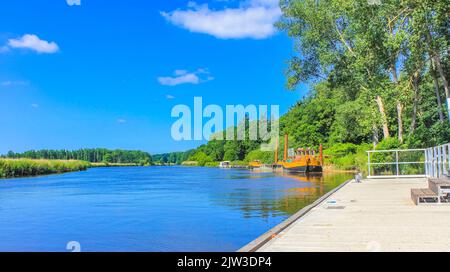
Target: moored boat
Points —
{"points": [[255, 164], [305, 160]]}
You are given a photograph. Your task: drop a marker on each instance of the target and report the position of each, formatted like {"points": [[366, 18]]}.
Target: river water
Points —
{"points": [[151, 208]]}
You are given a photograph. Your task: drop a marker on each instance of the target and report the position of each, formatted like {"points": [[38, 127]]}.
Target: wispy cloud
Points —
{"points": [[34, 43], [253, 19], [177, 80], [73, 2], [9, 83], [185, 77], [121, 121], [170, 97], [34, 105]]}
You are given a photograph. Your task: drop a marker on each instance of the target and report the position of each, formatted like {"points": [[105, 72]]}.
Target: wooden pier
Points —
{"points": [[374, 215]]}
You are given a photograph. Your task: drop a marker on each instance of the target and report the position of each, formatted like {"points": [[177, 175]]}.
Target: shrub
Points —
{"points": [[212, 164], [263, 156], [201, 158], [27, 167]]}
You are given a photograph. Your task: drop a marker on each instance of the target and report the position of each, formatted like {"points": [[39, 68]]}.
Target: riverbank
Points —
{"points": [[106, 164], [13, 168]]}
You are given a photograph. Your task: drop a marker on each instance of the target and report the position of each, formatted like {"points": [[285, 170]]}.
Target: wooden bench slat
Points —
{"points": [[423, 192]]}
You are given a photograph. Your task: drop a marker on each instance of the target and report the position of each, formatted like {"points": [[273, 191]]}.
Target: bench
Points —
{"points": [[440, 187], [423, 196]]}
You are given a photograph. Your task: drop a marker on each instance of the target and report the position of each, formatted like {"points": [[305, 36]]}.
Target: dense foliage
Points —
{"points": [[172, 158], [377, 70], [97, 155], [25, 167]]}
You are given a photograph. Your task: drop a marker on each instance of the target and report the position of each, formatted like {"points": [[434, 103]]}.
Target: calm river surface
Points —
{"points": [[150, 208]]}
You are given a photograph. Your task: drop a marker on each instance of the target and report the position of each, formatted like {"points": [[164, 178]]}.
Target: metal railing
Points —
{"points": [[438, 161], [430, 162]]}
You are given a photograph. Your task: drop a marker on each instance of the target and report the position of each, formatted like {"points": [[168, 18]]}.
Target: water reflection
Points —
{"points": [[285, 195]]}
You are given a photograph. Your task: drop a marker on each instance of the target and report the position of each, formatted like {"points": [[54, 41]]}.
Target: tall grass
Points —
{"points": [[10, 168]]}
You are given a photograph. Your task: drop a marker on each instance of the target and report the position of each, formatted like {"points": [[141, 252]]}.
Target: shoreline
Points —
{"points": [[39, 176]]}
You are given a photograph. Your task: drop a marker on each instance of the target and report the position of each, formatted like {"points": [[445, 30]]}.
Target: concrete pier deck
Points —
{"points": [[375, 215]]}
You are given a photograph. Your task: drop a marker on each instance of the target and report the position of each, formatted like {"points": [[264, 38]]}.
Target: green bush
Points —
{"points": [[348, 156], [201, 158], [391, 143], [341, 149], [212, 164], [266, 157], [26, 167]]}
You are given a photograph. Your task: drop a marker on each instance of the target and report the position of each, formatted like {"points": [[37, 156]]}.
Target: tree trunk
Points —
{"points": [[399, 105], [444, 79], [394, 74], [437, 61], [400, 121], [375, 139], [436, 90], [383, 117], [416, 98]]}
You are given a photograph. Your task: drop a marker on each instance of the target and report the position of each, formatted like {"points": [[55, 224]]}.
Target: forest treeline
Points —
{"points": [[378, 78], [96, 155]]}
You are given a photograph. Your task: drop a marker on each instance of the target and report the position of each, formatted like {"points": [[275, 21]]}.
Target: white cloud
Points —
{"points": [[177, 80], [34, 43], [253, 19], [74, 2], [185, 77], [170, 97], [121, 121], [9, 83]]}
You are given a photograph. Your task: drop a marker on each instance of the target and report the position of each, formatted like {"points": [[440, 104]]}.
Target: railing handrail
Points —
{"points": [[436, 162], [396, 150]]}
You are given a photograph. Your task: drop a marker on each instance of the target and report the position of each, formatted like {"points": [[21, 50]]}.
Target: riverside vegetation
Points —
{"points": [[10, 168], [43, 162]]}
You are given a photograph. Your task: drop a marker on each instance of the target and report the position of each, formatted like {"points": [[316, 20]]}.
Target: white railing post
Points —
{"points": [[436, 163], [448, 159], [448, 149], [439, 159], [396, 161]]}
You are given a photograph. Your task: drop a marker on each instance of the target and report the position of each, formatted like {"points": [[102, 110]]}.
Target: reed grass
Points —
{"points": [[10, 168]]}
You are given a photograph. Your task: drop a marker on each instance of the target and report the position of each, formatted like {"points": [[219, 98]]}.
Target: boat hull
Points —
{"points": [[303, 169]]}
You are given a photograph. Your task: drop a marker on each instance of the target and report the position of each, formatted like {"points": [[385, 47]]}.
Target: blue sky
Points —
{"points": [[100, 73]]}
